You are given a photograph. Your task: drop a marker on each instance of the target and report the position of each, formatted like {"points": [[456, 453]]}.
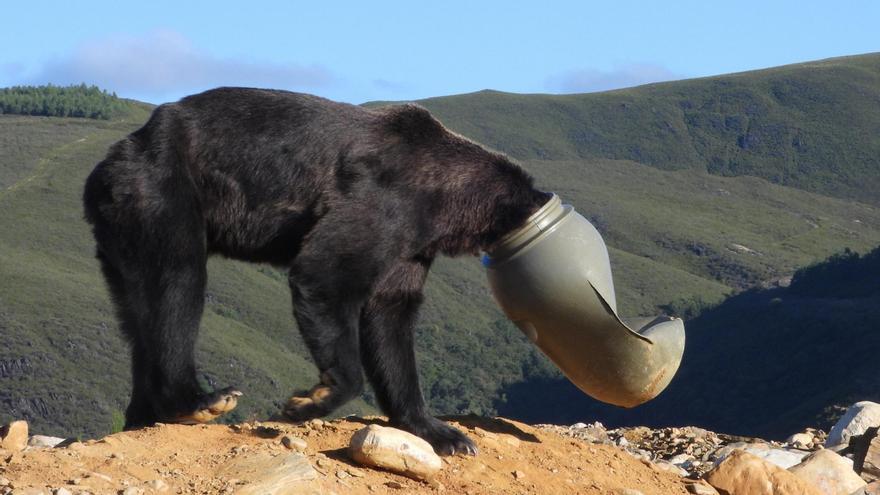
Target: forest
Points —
{"points": [[61, 101]]}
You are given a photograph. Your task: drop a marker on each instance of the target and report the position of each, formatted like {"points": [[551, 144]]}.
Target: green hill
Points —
{"points": [[814, 126], [681, 239]]}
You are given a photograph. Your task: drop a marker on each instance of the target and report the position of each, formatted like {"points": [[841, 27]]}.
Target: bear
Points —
{"points": [[354, 203]]}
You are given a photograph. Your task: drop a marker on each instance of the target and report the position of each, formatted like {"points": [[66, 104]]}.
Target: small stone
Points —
{"points": [[132, 491], [395, 450], [394, 484], [355, 472], [75, 481], [800, 441], [519, 474], [43, 441], [4, 481], [668, 467], [294, 443], [323, 463], [62, 491], [161, 486], [701, 489], [627, 491], [829, 472], [14, 436], [578, 426], [76, 446], [317, 423], [342, 474]]}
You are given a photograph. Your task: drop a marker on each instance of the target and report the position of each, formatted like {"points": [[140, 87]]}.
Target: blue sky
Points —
{"points": [[372, 50]]}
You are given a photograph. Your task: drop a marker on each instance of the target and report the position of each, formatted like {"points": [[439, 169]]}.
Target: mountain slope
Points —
{"points": [[814, 126]]}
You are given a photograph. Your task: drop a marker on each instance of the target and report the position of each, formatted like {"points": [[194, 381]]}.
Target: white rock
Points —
{"points": [[829, 472], [294, 443], [858, 418], [62, 491], [784, 458], [681, 459], [395, 450], [800, 440], [43, 441]]}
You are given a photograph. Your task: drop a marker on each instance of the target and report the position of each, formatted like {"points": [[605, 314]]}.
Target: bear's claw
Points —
{"points": [[212, 406]]}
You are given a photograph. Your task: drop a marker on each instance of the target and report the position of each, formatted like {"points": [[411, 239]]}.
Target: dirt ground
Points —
{"points": [[513, 458]]}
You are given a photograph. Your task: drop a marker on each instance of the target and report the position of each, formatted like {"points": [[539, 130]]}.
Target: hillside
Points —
{"points": [[813, 126], [764, 362], [680, 237]]}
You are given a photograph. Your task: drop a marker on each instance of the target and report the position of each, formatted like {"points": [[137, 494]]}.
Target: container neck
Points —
{"points": [[538, 223]]}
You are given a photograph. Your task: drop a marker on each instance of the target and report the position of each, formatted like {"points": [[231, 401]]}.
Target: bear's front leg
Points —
{"points": [[388, 356]]}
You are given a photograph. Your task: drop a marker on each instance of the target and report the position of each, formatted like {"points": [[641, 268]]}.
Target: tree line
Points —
{"points": [[60, 101]]}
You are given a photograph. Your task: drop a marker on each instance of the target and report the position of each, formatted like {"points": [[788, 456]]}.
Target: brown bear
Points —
{"points": [[356, 203]]}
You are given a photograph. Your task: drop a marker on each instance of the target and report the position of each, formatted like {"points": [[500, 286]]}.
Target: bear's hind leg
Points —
{"points": [[140, 408], [173, 294], [154, 264]]}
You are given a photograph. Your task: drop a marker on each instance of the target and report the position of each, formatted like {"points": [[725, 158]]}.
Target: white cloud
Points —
{"points": [[625, 76], [166, 63]]}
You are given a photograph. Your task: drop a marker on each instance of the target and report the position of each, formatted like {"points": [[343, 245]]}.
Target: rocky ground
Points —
{"points": [[316, 458]]}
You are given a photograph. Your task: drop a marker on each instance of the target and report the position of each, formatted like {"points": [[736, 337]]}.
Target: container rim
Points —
{"points": [[539, 223]]}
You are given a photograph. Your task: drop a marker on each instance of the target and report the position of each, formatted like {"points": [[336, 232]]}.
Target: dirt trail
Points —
{"points": [[514, 458]]}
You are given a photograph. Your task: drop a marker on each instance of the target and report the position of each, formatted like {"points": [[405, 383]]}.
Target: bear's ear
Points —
{"points": [[413, 123]]}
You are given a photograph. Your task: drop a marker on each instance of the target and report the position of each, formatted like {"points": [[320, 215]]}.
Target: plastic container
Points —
{"points": [[553, 279]]}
